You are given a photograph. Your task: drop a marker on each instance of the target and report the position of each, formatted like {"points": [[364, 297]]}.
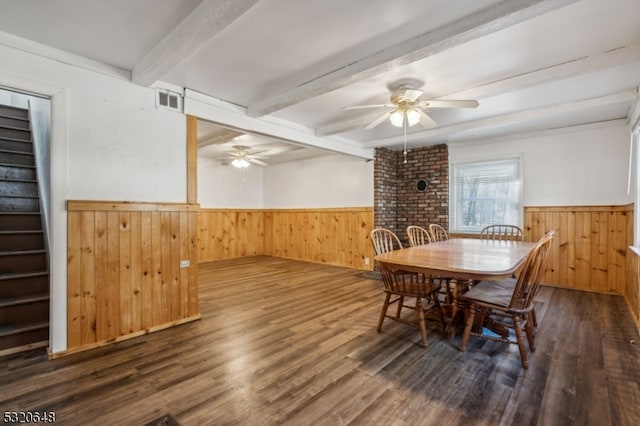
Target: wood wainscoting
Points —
{"points": [[632, 291], [591, 247], [334, 236], [124, 274], [227, 234], [338, 237]]}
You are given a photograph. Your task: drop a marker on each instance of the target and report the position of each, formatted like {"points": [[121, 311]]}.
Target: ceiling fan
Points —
{"points": [[241, 157], [406, 107]]}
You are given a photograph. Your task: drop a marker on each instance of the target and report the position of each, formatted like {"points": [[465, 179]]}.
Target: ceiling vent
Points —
{"points": [[167, 99]]}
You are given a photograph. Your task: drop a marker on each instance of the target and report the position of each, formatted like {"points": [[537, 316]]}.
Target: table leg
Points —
{"points": [[459, 308]]}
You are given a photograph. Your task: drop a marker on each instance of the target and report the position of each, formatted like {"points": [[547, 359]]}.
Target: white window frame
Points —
{"points": [[466, 168]]}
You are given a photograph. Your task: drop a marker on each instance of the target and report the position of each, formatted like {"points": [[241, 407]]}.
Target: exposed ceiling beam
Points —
{"points": [[482, 23], [204, 22], [538, 133], [578, 66], [512, 118], [234, 116]]}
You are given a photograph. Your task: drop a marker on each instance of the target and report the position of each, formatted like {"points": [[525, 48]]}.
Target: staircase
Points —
{"points": [[24, 276]]}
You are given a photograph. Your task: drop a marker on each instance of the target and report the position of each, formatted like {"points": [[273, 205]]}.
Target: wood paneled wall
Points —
{"points": [[591, 247], [632, 291], [333, 236], [227, 234], [124, 276]]}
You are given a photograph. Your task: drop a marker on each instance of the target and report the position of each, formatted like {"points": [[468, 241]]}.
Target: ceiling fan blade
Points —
{"points": [[378, 120], [256, 161], [449, 104], [368, 106], [426, 121]]}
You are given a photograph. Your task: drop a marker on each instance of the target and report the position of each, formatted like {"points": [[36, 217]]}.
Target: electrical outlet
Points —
{"points": [[366, 261], [185, 263]]}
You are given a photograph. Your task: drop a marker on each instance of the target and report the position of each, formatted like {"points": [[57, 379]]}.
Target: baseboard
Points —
{"points": [[54, 355]]}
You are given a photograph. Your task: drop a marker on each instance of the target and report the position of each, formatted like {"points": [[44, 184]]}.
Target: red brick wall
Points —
{"points": [[397, 202]]}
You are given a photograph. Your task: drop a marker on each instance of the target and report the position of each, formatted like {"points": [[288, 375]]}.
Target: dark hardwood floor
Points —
{"points": [[286, 342]]}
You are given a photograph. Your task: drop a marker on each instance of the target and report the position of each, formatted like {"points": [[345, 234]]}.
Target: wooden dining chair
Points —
{"points": [[438, 233], [384, 240], [507, 305], [403, 284], [418, 236], [502, 232]]}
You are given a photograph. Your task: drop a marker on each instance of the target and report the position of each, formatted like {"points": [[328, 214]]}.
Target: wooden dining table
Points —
{"points": [[462, 259]]}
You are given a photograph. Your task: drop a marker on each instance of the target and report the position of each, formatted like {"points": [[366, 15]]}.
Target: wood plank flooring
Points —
{"points": [[287, 342]]}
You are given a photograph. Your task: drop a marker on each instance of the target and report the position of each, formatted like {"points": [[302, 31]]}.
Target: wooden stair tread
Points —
{"points": [[23, 166], [12, 117], [23, 300], [18, 275], [18, 180], [17, 328], [20, 196], [26, 231], [21, 252], [10, 151], [10, 139], [13, 127], [18, 213]]}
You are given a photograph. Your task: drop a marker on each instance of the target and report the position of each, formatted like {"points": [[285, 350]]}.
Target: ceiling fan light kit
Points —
{"points": [[242, 157], [240, 163], [407, 105], [397, 117], [407, 109]]}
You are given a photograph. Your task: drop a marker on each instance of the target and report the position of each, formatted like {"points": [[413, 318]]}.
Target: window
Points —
{"points": [[485, 193]]}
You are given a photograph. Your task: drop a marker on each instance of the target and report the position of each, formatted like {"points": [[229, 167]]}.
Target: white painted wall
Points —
{"points": [[118, 142], [328, 181], [108, 142], [322, 182], [122, 148], [587, 166], [222, 186]]}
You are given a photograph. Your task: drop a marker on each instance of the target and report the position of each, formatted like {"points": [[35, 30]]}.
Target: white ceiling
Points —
{"points": [[532, 65]]}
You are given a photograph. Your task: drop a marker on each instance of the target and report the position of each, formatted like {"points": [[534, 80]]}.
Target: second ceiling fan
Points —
{"points": [[407, 108]]}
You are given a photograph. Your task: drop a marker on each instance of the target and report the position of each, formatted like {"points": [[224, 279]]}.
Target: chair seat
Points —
{"points": [[496, 293]]}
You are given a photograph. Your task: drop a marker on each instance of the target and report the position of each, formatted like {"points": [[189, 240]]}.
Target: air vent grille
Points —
{"points": [[167, 99]]}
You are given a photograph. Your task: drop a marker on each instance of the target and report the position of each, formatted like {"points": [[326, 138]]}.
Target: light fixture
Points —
{"points": [[397, 117], [240, 163]]}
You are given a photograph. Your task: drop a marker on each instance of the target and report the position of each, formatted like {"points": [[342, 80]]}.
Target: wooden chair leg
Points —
{"points": [[467, 327], [533, 317], [400, 303], [517, 324], [421, 321], [383, 313], [531, 333]]}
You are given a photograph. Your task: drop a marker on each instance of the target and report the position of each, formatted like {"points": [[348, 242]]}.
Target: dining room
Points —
{"points": [[214, 185]]}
